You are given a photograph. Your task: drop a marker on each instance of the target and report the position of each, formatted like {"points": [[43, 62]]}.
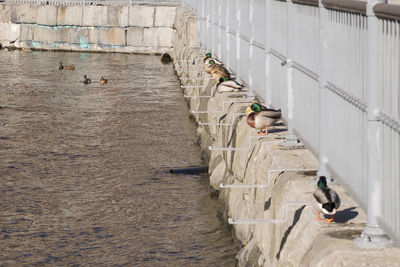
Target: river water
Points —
{"points": [[84, 168]]}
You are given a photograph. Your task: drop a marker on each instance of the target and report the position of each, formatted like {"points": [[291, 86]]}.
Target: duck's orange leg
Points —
{"points": [[331, 219], [262, 131], [319, 217]]}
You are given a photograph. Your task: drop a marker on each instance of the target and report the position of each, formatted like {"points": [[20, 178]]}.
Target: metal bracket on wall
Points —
{"points": [[193, 86], [194, 79], [222, 124], [258, 137], [269, 177], [291, 141], [245, 100]]}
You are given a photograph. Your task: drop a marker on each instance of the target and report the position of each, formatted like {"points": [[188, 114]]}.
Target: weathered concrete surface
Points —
{"points": [[70, 15], [10, 32], [94, 16], [135, 36], [299, 240], [47, 15], [164, 16], [24, 13], [110, 36], [5, 13], [117, 16], [139, 28], [158, 37], [141, 16]]}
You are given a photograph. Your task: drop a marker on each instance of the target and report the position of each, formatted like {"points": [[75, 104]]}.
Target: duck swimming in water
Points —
{"points": [[66, 67], [261, 117], [328, 200], [86, 80], [228, 85], [103, 80]]}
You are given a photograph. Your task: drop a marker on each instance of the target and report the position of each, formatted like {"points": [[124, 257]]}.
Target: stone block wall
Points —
{"points": [[137, 28]]}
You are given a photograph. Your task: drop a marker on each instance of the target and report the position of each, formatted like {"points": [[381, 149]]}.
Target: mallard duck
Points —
{"points": [[69, 67], [228, 85], [66, 67], [327, 199], [86, 80], [209, 65], [218, 71], [103, 80], [261, 117], [208, 58]]}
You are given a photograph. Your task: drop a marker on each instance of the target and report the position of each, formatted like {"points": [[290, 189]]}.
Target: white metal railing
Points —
{"points": [[97, 2], [389, 116], [334, 73]]}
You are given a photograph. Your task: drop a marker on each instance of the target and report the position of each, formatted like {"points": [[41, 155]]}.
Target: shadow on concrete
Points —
{"points": [[267, 204], [279, 130], [296, 218], [343, 216]]}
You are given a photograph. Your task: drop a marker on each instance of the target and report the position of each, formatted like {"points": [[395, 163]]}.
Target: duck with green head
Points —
{"points": [[86, 80], [261, 117], [328, 200], [213, 64], [229, 85], [208, 58]]}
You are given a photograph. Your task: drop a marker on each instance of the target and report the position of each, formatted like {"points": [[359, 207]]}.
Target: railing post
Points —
{"points": [[238, 39], [373, 236], [251, 33], [291, 139], [322, 157], [268, 90], [219, 22], [228, 39]]}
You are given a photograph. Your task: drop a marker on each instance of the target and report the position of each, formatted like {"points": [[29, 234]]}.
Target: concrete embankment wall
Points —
{"points": [[296, 239], [135, 29]]}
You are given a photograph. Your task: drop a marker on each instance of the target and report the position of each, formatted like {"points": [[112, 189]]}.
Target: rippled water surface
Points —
{"points": [[83, 168]]}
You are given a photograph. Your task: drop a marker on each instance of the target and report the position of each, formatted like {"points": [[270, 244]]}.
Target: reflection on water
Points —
{"points": [[84, 167]]}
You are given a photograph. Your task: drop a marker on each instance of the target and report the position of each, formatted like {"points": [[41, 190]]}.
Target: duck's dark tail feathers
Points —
{"points": [[328, 206]]}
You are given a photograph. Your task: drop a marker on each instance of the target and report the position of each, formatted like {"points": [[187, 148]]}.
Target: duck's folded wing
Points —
{"points": [[271, 113], [335, 198], [233, 84], [320, 196]]}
